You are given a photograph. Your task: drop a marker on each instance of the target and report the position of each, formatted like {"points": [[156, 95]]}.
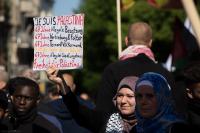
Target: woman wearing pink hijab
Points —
{"points": [[124, 120]]}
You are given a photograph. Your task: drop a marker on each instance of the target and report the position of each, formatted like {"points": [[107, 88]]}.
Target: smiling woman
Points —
{"points": [[124, 100]]}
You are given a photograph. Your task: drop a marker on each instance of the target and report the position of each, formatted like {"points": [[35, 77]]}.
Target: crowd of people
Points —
{"points": [[136, 95]]}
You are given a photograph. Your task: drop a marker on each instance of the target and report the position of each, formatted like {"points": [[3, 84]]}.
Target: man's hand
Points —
{"points": [[52, 75]]}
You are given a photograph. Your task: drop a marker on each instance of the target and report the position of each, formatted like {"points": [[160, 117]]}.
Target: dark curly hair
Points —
{"points": [[191, 73], [17, 82]]}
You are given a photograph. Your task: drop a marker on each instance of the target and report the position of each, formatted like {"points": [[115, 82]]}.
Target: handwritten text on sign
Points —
{"points": [[58, 42]]}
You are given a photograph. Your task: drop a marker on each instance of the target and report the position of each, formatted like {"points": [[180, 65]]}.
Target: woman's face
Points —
{"points": [[146, 101], [126, 101]]}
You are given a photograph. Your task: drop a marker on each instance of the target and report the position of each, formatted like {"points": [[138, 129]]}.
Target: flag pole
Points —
{"points": [[193, 16], [119, 27]]}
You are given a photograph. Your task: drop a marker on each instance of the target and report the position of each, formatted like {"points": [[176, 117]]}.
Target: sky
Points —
{"points": [[65, 7]]}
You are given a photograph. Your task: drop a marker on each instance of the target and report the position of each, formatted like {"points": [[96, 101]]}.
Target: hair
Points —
{"points": [[139, 33], [191, 73], [125, 86], [53, 90], [18, 82]]}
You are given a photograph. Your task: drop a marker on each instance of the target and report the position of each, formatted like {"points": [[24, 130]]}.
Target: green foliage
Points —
{"points": [[98, 45], [100, 34]]}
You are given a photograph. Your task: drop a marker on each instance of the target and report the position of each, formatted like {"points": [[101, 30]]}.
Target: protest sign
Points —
{"points": [[58, 42]]}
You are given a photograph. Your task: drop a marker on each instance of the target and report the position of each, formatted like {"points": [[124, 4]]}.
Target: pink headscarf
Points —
{"points": [[129, 81]]}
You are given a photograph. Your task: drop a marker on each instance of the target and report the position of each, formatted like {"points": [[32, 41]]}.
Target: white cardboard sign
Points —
{"points": [[58, 42]]}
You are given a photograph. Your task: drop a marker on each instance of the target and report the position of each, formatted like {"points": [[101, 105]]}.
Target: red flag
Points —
{"points": [[179, 49], [184, 45], [165, 4]]}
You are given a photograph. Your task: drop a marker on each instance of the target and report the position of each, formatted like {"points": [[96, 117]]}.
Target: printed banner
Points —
{"points": [[58, 42]]}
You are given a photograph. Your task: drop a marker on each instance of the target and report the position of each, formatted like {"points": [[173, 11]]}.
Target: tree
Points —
{"points": [[100, 34]]}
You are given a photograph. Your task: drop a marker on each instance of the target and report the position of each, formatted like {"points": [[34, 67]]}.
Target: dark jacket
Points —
{"points": [[182, 128], [112, 75], [32, 123], [58, 109], [193, 113], [2, 126]]}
